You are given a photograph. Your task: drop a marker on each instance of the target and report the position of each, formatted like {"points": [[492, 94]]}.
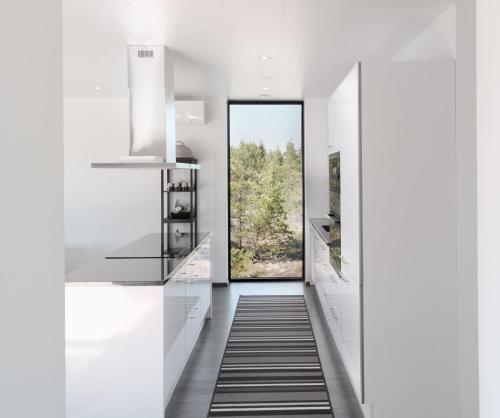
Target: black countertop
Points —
{"points": [[137, 264], [318, 224]]}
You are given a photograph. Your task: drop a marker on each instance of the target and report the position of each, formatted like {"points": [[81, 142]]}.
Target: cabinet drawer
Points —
{"points": [[175, 330], [329, 293], [197, 304]]}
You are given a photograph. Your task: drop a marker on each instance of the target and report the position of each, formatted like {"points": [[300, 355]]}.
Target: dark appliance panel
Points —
{"points": [[335, 214]]}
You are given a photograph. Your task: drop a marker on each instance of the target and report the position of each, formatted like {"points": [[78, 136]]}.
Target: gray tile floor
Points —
{"points": [[193, 394]]}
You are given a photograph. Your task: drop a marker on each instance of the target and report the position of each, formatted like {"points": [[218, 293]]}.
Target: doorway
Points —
{"points": [[266, 190]]}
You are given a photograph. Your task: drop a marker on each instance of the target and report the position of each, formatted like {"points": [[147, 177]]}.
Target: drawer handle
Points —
{"points": [[192, 316]]}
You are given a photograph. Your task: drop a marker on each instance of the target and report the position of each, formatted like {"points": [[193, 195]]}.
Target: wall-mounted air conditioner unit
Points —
{"points": [[189, 112]]}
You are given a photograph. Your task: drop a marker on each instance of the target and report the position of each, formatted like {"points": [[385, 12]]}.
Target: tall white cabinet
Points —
{"points": [[344, 137], [395, 301]]}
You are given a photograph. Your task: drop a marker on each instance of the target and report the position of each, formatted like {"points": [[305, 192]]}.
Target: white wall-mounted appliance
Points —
{"points": [[190, 112]]}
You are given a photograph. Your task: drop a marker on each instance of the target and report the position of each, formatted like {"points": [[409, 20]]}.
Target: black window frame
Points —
{"points": [[228, 161]]}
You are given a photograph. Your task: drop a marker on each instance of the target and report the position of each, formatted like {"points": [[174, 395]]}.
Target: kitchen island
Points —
{"points": [[132, 320]]}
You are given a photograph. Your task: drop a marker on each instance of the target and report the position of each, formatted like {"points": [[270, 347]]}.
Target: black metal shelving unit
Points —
{"points": [[166, 206]]}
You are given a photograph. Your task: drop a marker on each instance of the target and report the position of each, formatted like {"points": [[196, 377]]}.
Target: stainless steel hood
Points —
{"points": [[152, 111]]}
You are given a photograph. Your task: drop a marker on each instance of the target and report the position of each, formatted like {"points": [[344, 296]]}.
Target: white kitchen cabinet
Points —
{"points": [[350, 313], [409, 239], [343, 298], [339, 298], [187, 305], [347, 133], [394, 125], [198, 293]]}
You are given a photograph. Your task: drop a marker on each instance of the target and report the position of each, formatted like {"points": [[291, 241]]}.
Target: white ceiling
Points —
{"points": [[311, 43]]}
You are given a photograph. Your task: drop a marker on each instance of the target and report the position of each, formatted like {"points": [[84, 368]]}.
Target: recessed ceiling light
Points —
{"points": [[264, 96], [265, 88], [264, 57], [265, 77], [98, 87]]}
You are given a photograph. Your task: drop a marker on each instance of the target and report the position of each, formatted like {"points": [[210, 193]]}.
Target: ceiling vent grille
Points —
{"points": [[145, 54]]}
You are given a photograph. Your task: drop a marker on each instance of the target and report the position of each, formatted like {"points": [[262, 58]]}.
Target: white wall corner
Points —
{"points": [[437, 42]]}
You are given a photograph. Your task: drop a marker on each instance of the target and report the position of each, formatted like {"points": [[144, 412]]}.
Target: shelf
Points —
{"points": [[178, 221], [179, 191]]}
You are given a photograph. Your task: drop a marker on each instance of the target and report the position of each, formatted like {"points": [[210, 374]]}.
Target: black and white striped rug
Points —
{"points": [[271, 366]]}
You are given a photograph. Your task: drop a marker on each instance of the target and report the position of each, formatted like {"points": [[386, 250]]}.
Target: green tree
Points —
{"points": [[266, 196], [271, 217], [292, 166]]}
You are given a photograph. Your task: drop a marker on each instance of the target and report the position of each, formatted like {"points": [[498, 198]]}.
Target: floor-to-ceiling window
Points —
{"points": [[266, 192]]}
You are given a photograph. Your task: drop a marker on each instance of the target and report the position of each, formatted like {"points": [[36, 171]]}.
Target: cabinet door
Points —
{"points": [[350, 328], [327, 287], [205, 259], [194, 318], [205, 278], [314, 254], [198, 293], [175, 330], [344, 121], [316, 259]]}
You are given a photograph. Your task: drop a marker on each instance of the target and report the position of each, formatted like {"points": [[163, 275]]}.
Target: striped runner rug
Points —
{"points": [[271, 366]]}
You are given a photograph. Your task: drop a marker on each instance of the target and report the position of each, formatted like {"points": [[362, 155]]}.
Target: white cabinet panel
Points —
{"points": [[409, 239], [347, 132], [334, 303], [175, 330], [351, 331], [198, 293], [194, 315], [114, 351], [340, 301], [344, 120], [327, 287], [314, 255]]}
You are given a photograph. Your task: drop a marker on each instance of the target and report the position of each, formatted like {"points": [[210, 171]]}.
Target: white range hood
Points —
{"points": [[152, 111]]}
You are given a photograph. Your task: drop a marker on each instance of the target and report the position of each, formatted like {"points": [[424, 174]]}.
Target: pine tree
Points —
{"points": [[266, 195]]}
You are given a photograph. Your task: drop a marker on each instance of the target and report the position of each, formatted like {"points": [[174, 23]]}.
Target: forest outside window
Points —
{"points": [[266, 205]]}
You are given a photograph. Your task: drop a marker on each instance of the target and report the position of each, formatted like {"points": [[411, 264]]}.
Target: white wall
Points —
{"points": [[488, 154], [436, 42], [31, 222], [106, 209], [209, 143], [316, 166]]}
